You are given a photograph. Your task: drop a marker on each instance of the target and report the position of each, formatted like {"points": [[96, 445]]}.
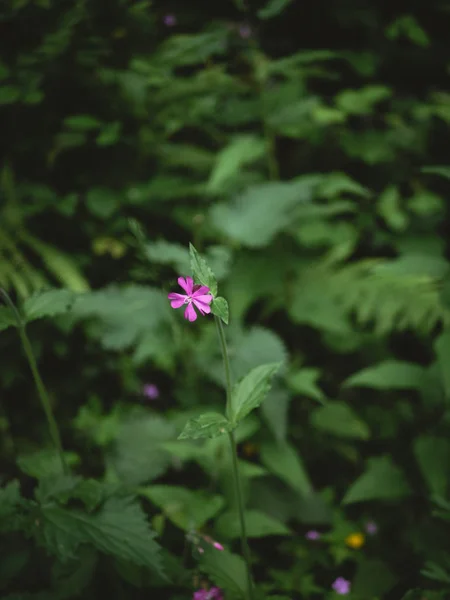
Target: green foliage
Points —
{"points": [[208, 425], [309, 171], [383, 480], [251, 391]]}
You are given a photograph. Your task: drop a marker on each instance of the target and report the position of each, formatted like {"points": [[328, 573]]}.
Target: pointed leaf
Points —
{"points": [[120, 529], [251, 391], [390, 374], [187, 509], [226, 570], [219, 308], [283, 460], [382, 480], [338, 418], [48, 304], [201, 271], [208, 425]]}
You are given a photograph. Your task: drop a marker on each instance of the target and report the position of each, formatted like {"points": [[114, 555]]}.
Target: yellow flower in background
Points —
{"points": [[107, 245], [355, 540]]}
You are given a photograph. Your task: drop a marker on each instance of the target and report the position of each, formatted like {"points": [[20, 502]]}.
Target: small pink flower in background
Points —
{"points": [[312, 535], [371, 527], [150, 391], [196, 295], [213, 593], [341, 586], [245, 31], [170, 20]]}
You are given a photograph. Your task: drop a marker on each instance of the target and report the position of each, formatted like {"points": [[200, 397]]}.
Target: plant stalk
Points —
{"points": [[235, 464], [41, 389]]}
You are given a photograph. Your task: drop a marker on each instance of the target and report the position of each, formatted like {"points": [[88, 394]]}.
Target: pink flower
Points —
{"points": [[197, 295], [150, 391], [312, 535], [341, 586], [213, 593], [170, 20], [371, 527]]}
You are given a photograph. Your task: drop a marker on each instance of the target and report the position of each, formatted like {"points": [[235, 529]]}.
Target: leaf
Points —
{"points": [[202, 272], [48, 304], [275, 412], [187, 509], [382, 480], [304, 382], [45, 463], [387, 375], [443, 171], [257, 215], [373, 579], [273, 8], [208, 425], [82, 122], [257, 524], [338, 418], [251, 391], [102, 202], [433, 456], [137, 455], [283, 461], [442, 350], [226, 570], [240, 151], [120, 529], [219, 308], [6, 318], [10, 501]]}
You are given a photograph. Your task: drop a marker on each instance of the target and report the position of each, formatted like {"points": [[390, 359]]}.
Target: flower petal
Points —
{"points": [[204, 308], [187, 284], [205, 298], [190, 313], [177, 300], [200, 290]]}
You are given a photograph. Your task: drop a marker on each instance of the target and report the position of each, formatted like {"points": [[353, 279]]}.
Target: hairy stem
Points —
{"points": [[41, 389], [235, 464]]}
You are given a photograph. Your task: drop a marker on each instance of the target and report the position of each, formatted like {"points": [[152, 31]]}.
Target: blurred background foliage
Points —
{"points": [[303, 148]]}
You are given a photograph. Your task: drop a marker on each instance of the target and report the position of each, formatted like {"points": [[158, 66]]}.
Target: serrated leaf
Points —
{"points": [[201, 271], [257, 524], [390, 374], [219, 307], [338, 418], [382, 480], [208, 425], [257, 215], [45, 463], [120, 529], [186, 508], [137, 456], [48, 304], [443, 171], [251, 391], [433, 456], [283, 461], [226, 570]]}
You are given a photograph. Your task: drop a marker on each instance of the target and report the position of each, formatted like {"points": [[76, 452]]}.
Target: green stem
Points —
{"points": [[42, 392], [235, 464]]}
